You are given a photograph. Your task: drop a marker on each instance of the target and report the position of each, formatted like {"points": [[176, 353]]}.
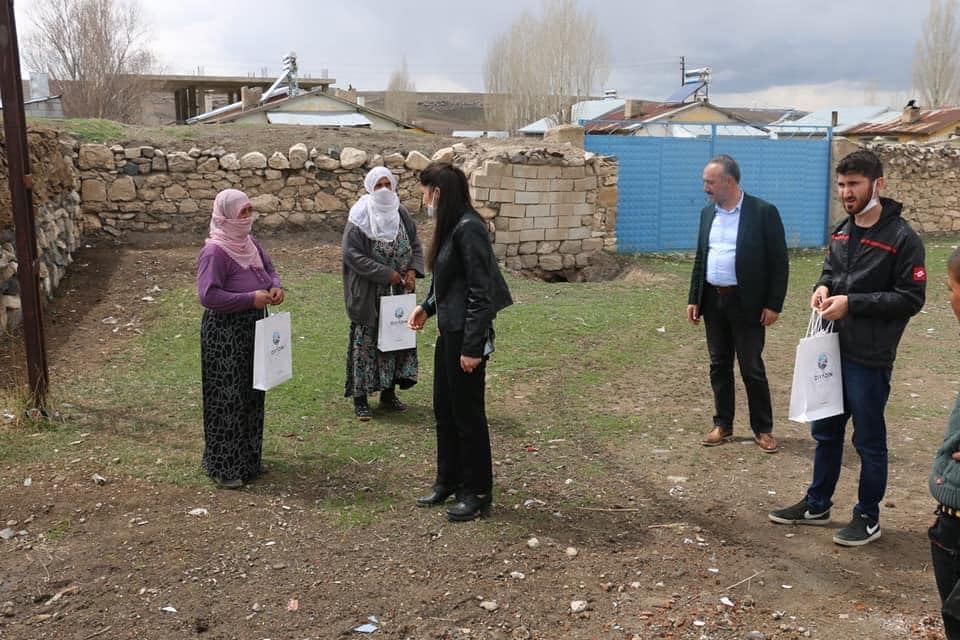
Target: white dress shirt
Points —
{"points": [[722, 246]]}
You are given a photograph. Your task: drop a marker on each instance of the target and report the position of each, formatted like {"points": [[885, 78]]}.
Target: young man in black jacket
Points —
{"points": [[873, 282]]}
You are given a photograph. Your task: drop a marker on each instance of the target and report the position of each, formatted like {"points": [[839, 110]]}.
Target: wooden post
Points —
{"points": [[21, 195]]}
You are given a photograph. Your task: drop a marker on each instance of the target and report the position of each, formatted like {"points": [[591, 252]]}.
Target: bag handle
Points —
{"points": [[816, 326]]}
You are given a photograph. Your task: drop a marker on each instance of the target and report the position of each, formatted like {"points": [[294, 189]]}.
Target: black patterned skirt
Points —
{"points": [[370, 370], [232, 408]]}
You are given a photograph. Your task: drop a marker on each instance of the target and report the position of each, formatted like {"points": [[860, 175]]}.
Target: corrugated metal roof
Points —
{"points": [[319, 118], [679, 130], [846, 117], [928, 121], [480, 134], [585, 110]]}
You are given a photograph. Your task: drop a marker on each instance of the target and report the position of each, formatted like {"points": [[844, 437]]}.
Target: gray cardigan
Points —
{"points": [[363, 275]]}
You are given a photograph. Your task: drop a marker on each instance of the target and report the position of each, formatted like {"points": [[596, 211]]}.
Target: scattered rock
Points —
{"points": [[517, 575], [199, 512], [7, 610], [7, 533], [571, 552], [489, 605], [98, 479], [533, 543], [578, 606]]}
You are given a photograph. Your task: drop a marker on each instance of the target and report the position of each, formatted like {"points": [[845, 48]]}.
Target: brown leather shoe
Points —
{"points": [[718, 436], [766, 442]]}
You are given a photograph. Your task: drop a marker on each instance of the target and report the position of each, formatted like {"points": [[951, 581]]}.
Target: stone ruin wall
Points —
{"points": [[58, 216], [549, 207]]}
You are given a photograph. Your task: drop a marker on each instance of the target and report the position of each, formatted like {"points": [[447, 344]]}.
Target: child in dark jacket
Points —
{"points": [[945, 487]]}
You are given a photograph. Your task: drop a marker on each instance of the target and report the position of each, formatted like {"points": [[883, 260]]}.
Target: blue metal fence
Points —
{"points": [[661, 191]]}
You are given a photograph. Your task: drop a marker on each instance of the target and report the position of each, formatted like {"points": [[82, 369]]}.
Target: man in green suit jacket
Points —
{"points": [[738, 285]]}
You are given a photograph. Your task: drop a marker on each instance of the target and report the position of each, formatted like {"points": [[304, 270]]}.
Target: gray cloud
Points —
{"points": [[752, 45]]}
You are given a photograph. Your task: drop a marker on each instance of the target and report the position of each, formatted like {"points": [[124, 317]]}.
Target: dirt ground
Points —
{"points": [[676, 527]]}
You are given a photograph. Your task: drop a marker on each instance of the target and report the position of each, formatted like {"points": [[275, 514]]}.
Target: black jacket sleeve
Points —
{"points": [[778, 261], [909, 288], [475, 252], [699, 264]]}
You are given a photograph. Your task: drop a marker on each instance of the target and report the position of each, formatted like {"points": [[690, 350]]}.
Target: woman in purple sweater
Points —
{"points": [[235, 282]]}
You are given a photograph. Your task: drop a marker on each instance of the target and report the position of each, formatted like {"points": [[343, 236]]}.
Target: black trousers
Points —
{"points": [[731, 333], [463, 439], [945, 550]]}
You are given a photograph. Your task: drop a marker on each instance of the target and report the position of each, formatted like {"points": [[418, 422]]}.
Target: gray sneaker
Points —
{"points": [[800, 513], [861, 530]]}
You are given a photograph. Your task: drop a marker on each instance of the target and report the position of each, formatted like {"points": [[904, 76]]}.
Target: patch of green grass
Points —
{"points": [[95, 129], [58, 530]]}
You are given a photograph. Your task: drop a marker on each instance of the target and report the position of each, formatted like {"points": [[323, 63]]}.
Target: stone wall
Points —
{"points": [[142, 188], [925, 178], [549, 206], [59, 221], [550, 212]]}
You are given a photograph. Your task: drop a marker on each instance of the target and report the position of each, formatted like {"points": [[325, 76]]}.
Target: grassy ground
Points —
{"points": [[570, 357]]}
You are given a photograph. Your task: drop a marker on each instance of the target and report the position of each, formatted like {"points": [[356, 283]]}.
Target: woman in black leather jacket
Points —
{"points": [[466, 293]]}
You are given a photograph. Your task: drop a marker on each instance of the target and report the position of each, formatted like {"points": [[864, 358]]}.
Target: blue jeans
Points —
{"points": [[865, 393]]}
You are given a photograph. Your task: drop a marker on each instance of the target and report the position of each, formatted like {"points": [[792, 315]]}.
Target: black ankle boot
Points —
{"points": [[361, 408], [437, 496], [390, 401], [470, 507]]}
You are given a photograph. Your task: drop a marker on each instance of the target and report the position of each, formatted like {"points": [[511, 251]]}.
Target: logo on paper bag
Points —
{"points": [[398, 315], [823, 361], [277, 347]]}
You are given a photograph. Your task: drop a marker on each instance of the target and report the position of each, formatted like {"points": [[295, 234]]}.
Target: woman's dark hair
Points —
{"points": [[454, 201]]}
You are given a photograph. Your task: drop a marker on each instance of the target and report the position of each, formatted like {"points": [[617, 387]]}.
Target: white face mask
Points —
{"points": [[384, 197], [874, 201]]}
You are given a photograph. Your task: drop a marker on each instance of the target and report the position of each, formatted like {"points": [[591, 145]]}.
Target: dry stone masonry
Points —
{"points": [[926, 179], [549, 207], [550, 211], [59, 221]]}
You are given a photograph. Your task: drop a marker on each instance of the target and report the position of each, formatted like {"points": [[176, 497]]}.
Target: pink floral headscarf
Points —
{"points": [[231, 232]]}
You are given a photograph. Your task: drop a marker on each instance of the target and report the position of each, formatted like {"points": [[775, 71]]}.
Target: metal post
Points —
{"points": [[21, 195], [826, 222]]}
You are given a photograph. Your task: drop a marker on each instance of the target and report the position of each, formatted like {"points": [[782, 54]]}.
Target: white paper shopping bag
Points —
{"points": [[272, 355], [393, 333], [817, 390]]}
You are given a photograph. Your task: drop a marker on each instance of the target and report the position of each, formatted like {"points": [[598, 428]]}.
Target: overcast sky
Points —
{"points": [[807, 55]]}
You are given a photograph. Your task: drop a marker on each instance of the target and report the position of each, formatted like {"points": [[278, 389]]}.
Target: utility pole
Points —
{"points": [[683, 70], [21, 195]]}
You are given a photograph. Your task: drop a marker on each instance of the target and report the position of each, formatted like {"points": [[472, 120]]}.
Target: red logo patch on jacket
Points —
{"points": [[919, 274]]}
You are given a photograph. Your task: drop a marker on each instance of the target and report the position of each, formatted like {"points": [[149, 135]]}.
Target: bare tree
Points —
{"points": [[400, 100], [542, 65], [936, 60], [94, 51]]}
